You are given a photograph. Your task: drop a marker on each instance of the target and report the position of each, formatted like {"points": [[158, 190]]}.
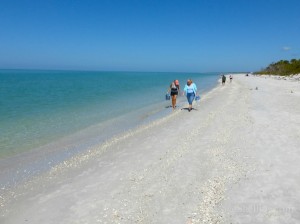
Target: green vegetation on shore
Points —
{"points": [[282, 67]]}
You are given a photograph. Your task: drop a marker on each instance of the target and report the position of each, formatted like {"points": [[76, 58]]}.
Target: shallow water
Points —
{"points": [[38, 107], [48, 116]]}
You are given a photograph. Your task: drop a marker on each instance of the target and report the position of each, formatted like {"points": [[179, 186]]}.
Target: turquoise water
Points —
{"points": [[40, 107]]}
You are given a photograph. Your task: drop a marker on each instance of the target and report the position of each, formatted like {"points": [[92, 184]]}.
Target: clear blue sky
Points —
{"points": [[152, 35]]}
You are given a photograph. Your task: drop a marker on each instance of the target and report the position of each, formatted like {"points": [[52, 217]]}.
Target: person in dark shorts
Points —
{"points": [[174, 90], [223, 79]]}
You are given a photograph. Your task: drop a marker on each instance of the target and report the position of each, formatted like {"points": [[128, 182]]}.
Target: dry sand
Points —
{"points": [[232, 160]]}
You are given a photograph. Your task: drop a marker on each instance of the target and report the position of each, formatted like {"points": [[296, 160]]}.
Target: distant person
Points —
{"points": [[230, 77], [174, 90], [223, 79], [190, 90]]}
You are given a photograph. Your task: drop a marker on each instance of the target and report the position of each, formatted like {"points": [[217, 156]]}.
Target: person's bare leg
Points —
{"points": [[173, 101]]}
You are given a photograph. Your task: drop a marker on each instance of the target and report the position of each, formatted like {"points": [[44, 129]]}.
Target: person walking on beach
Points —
{"points": [[230, 77], [174, 90], [223, 79], [190, 90]]}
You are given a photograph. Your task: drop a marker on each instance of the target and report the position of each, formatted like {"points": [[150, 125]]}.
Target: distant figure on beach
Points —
{"points": [[230, 77], [223, 79], [190, 90], [174, 90]]}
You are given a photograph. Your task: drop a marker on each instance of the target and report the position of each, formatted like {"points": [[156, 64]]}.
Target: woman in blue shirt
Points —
{"points": [[190, 90]]}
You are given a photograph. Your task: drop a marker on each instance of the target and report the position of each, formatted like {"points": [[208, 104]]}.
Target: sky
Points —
{"points": [[148, 35]]}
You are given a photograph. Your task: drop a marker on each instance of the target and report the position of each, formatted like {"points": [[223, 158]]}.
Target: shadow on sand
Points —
{"points": [[186, 108]]}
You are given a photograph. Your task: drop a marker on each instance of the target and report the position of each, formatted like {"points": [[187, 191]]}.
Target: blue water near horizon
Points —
{"points": [[47, 117], [37, 107]]}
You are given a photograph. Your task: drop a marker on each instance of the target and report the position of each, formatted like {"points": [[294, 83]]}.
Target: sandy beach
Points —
{"points": [[234, 159]]}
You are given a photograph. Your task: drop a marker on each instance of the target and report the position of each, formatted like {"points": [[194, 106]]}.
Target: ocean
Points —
{"points": [[48, 116]]}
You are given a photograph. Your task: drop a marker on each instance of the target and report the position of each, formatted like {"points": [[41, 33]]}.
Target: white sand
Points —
{"points": [[233, 160]]}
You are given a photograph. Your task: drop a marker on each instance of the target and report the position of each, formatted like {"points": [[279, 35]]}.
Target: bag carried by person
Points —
{"points": [[168, 97]]}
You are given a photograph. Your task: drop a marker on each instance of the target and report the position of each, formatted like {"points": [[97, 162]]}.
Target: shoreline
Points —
{"points": [[10, 186], [37, 119], [197, 167], [19, 168]]}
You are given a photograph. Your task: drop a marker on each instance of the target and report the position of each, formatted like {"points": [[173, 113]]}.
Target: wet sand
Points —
{"points": [[231, 160]]}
